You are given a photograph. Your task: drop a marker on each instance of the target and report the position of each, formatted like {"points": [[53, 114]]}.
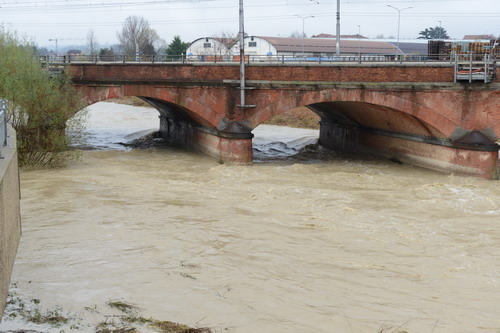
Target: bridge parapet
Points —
{"points": [[219, 73]]}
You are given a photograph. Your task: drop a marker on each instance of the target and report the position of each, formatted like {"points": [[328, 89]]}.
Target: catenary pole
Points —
{"points": [[337, 43], [242, 57]]}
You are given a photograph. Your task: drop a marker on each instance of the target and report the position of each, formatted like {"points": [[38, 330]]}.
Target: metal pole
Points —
{"points": [[3, 125], [359, 43], [136, 50], [304, 30], [439, 34], [303, 33], [399, 23], [337, 43], [242, 57], [54, 40]]}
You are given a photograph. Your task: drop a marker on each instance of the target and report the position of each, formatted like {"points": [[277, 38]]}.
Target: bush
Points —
{"points": [[38, 105]]}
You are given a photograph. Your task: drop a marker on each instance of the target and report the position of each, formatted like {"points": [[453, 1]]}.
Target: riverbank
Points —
{"points": [[31, 315]]}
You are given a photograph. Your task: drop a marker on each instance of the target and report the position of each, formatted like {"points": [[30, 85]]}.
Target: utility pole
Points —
{"points": [[242, 104], [337, 43], [337, 29]]}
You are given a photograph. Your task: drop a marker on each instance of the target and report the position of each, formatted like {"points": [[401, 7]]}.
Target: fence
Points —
{"points": [[52, 61], [3, 125]]}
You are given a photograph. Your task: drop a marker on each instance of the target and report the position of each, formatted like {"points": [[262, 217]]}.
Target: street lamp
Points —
{"points": [[359, 43], [54, 40], [439, 33], [303, 29], [399, 20]]}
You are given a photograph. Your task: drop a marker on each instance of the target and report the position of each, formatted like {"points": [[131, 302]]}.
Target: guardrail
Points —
{"points": [[3, 125], [249, 59], [474, 68]]}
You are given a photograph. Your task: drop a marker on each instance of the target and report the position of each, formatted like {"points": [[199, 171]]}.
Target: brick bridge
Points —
{"points": [[413, 113]]}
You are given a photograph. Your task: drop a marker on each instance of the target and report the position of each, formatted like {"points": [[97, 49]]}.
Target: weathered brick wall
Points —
{"points": [[217, 73]]}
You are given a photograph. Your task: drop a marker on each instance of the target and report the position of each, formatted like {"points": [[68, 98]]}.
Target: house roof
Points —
{"points": [[227, 42], [324, 45], [341, 36]]}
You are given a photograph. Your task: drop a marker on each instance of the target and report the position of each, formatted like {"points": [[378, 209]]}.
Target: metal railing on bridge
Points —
{"points": [[473, 67], [272, 59], [3, 125]]}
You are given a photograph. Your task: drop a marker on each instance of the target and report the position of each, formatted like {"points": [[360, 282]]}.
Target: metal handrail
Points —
{"points": [[3, 125], [276, 59], [473, 67]]}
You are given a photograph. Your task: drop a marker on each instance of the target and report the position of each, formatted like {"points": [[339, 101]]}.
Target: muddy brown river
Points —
{"points": [[312, 243]]}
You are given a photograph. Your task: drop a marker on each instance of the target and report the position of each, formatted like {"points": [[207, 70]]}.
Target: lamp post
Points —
{"points": [[304, 29], [399, 20], [54, 40], [439, 33], [359, 43]]}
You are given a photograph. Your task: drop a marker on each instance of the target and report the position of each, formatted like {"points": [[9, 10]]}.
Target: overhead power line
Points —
{"points": [[257, 18]]}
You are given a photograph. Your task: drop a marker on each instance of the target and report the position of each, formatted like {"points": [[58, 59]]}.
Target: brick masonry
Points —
{"points": [[412, 99]]}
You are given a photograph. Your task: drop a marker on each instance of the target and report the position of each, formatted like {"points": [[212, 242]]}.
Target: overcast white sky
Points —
{"points": [[70, 20]]}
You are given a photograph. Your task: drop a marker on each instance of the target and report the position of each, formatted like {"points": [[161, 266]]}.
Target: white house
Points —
{"points": [[210, 46], [272, 46], [255, 45], [226, 49]]}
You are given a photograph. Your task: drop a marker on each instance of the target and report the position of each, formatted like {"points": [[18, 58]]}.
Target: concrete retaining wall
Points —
{"points": [[10, 215]]}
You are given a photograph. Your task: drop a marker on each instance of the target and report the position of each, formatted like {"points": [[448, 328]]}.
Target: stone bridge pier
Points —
{"points": [[413, 114]]}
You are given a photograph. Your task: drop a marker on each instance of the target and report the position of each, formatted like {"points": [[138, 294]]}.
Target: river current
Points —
{"points": [[315, 242]]}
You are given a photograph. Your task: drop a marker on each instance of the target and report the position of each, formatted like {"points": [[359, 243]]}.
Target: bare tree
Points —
{"points": [[92, 42], [226, 40], [296, 34], [137, 36]]}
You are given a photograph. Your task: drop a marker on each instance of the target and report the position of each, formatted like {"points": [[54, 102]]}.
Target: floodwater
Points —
{"points": [[312, 243]]}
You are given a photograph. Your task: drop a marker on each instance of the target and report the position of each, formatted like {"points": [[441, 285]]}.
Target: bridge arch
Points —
{"points": [[389, 111], [198, 106]]}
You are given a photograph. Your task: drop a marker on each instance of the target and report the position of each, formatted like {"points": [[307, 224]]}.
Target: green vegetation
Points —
{"points": [[433, 33], [300, 117], [38, 105], [176, 47]]}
